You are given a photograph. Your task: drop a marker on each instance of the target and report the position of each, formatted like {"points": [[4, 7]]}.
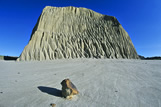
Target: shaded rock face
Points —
{"points": [[70, 32]]}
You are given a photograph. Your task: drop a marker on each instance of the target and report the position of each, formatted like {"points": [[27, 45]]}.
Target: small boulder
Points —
{"points": [[53, 105], [68, 89]]}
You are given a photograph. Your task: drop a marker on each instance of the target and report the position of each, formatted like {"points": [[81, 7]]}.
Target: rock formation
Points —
{"points": [[68, 89], [70, 32]]}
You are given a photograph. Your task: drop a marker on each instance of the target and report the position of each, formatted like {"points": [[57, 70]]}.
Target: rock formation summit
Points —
{"points": [[70, 32]]}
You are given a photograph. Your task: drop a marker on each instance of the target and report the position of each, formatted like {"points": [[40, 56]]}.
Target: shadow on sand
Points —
{"points": [[50, 91]]}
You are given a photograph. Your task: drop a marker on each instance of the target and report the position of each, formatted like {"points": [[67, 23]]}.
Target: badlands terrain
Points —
{"points": [[71, 32], [82, 40], [101, 83]]}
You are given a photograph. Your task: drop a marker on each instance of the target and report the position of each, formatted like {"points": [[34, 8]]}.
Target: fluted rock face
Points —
{"points": [[71, 32]]}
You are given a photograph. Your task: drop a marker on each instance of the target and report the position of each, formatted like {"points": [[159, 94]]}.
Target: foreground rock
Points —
{"points": [[53, 105], [68, 89], [71, 32]]}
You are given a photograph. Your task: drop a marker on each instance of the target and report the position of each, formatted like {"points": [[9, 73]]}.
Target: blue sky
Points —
{"points": [[140, 18]]}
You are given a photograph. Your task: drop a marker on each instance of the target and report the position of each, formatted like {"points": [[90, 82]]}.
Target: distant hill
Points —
{"points": [[8, 57], [1, 57], [150, 58]]}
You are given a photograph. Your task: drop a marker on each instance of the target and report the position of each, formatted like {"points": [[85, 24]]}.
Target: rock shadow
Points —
{"points": [[113, 19], [50, 91]]}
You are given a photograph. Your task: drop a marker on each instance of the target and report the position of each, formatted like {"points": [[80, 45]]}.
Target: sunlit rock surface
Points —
{"points": [[70, 32]]}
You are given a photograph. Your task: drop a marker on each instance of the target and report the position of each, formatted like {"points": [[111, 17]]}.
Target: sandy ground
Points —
{"points": [[101, 83]]}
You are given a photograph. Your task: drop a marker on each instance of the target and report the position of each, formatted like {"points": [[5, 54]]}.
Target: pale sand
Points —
{"points": [[101, 83]]}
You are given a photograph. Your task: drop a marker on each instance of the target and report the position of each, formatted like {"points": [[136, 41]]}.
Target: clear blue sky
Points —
{"points": [[140, 18]]}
